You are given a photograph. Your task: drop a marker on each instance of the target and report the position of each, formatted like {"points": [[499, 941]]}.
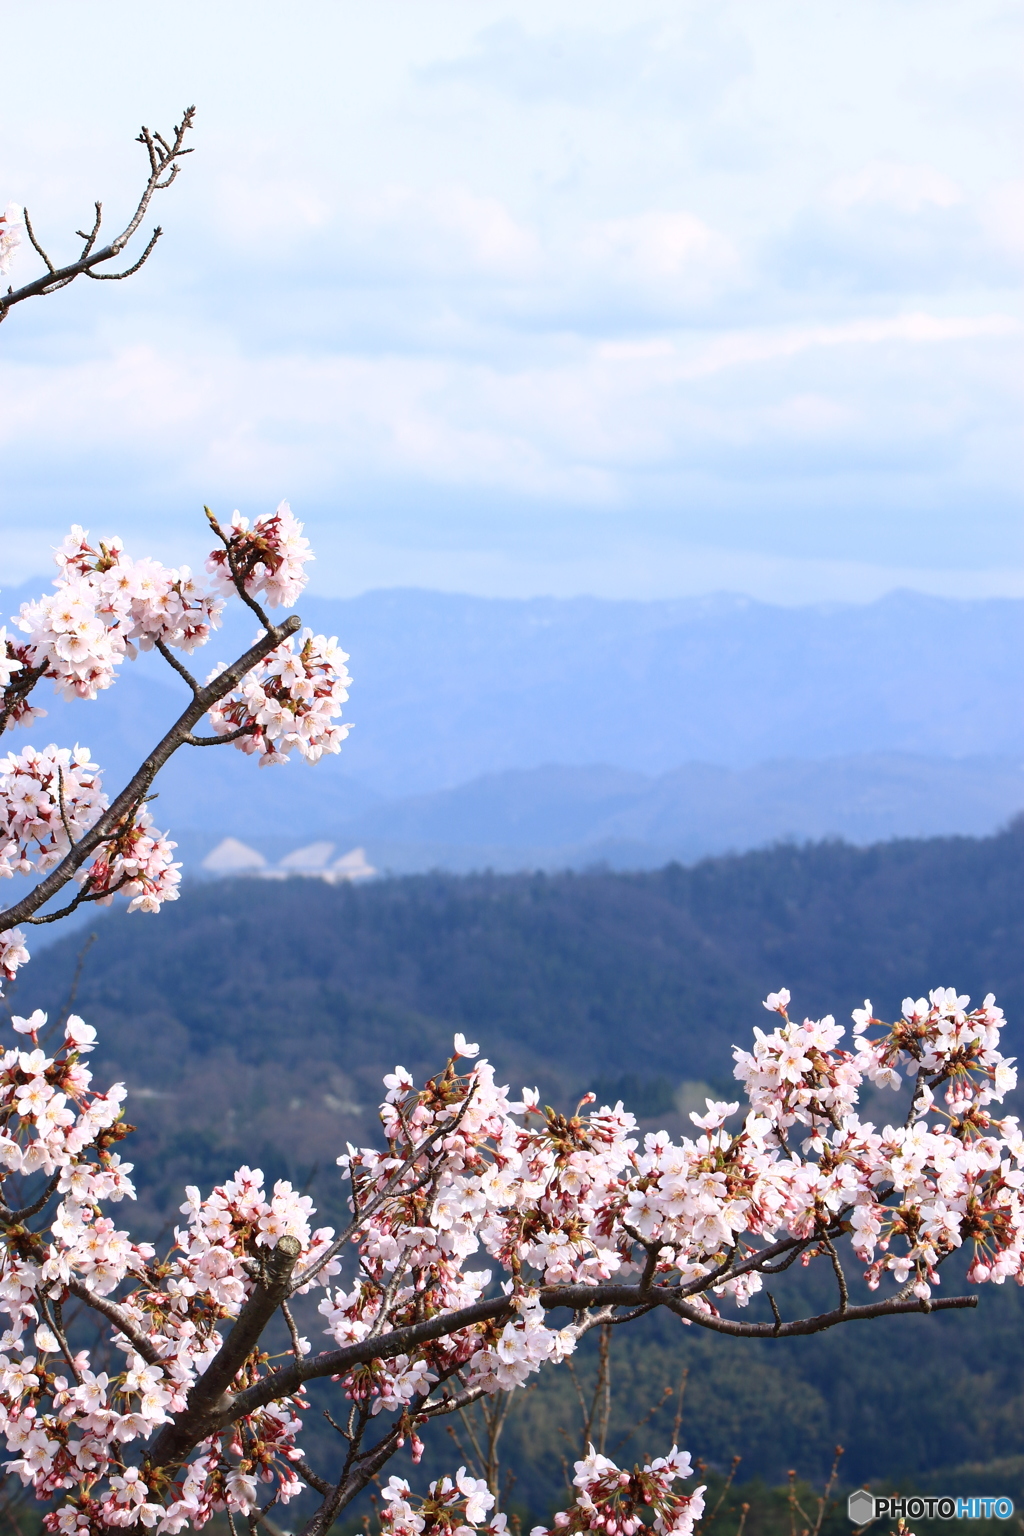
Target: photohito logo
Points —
{"points": [[863, 1507]]}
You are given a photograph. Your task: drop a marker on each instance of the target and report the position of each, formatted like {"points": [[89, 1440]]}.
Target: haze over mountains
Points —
{"points": [[504, 733]]}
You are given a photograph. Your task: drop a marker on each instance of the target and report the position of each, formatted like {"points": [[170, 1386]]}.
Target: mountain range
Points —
{"points": [[544, 731]]}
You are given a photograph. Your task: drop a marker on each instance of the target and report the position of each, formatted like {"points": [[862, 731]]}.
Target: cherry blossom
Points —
{"points": [[44, 797], [280, 696], [570, 1211], [12, 227], [266, 559], [289, 703], [486, 1235]]}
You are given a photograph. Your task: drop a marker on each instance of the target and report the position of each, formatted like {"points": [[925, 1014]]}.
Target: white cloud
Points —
{"points": [[567, 425], [1003, 217], [663, 247], [446, 227], [897, 185], [527, 257]]}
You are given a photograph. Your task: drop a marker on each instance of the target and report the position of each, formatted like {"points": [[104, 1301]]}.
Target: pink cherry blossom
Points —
{"points": [[267, 559]]}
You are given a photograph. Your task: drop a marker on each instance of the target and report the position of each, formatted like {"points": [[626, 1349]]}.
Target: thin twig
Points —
{"points": [[164, 164], [677, 1422], [172, 661], [844, 1294]]}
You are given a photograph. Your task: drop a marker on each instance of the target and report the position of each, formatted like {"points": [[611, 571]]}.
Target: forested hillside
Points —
{"points": [[253, 1021]]}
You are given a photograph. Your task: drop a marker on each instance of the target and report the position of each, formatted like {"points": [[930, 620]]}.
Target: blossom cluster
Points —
{"points": [[67, 1425], [44, 796], [577, 1200], [267, 558], [107, 606], [136, 861], [607, 1499], [615, 1502], [290, 701], [452, 1506], [465, 1170], [12, 226], [48, 801]]}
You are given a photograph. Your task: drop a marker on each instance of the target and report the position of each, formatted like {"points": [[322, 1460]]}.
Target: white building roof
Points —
{"points": [[313, 856], [233, 857]]}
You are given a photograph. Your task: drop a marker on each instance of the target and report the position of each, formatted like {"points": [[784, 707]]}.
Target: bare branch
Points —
{"points": [[844, 1294], [312, 1478], [164, 164], [90, 238], [35, 243], [116, 277], [293, 1332], [217, 741], [85, 894], [52, 1315], [172, 661], [12, 1218]]}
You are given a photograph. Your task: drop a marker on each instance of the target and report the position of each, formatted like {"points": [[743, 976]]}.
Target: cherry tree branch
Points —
{"points": [[120, 1318], [164, 165], [176, 1439], [578, 1298], [172, 661], [18, 690], [134, 792]]}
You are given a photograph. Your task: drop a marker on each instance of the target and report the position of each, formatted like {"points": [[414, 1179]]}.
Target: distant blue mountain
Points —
{"points": [[483, 693], [448, 688], [558, 817]]}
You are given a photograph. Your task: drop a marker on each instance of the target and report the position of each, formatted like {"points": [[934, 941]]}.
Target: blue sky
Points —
{"points": [[638, 299]]}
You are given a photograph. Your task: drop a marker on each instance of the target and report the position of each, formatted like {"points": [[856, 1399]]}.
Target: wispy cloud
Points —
{"points": [[495, 280]]}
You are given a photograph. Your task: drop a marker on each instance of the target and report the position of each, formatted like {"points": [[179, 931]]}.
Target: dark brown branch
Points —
{"points": [[12, 1218], [286, 1313], [120, 1319], [51, 1315], [350, 1483], [172, 661], [288, 1379], [175, 1440], [217, 741], [18, 690], [164, 164], [454, 1404], [116, 277], [90, 238], [35, 243], [776, 1314], [136, 789], [312, 1478], [85, 894], [819, 1324], [844, 1294]]}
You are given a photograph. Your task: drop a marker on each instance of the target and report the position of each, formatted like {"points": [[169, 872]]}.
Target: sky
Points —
{"points": [[519, 298]]}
